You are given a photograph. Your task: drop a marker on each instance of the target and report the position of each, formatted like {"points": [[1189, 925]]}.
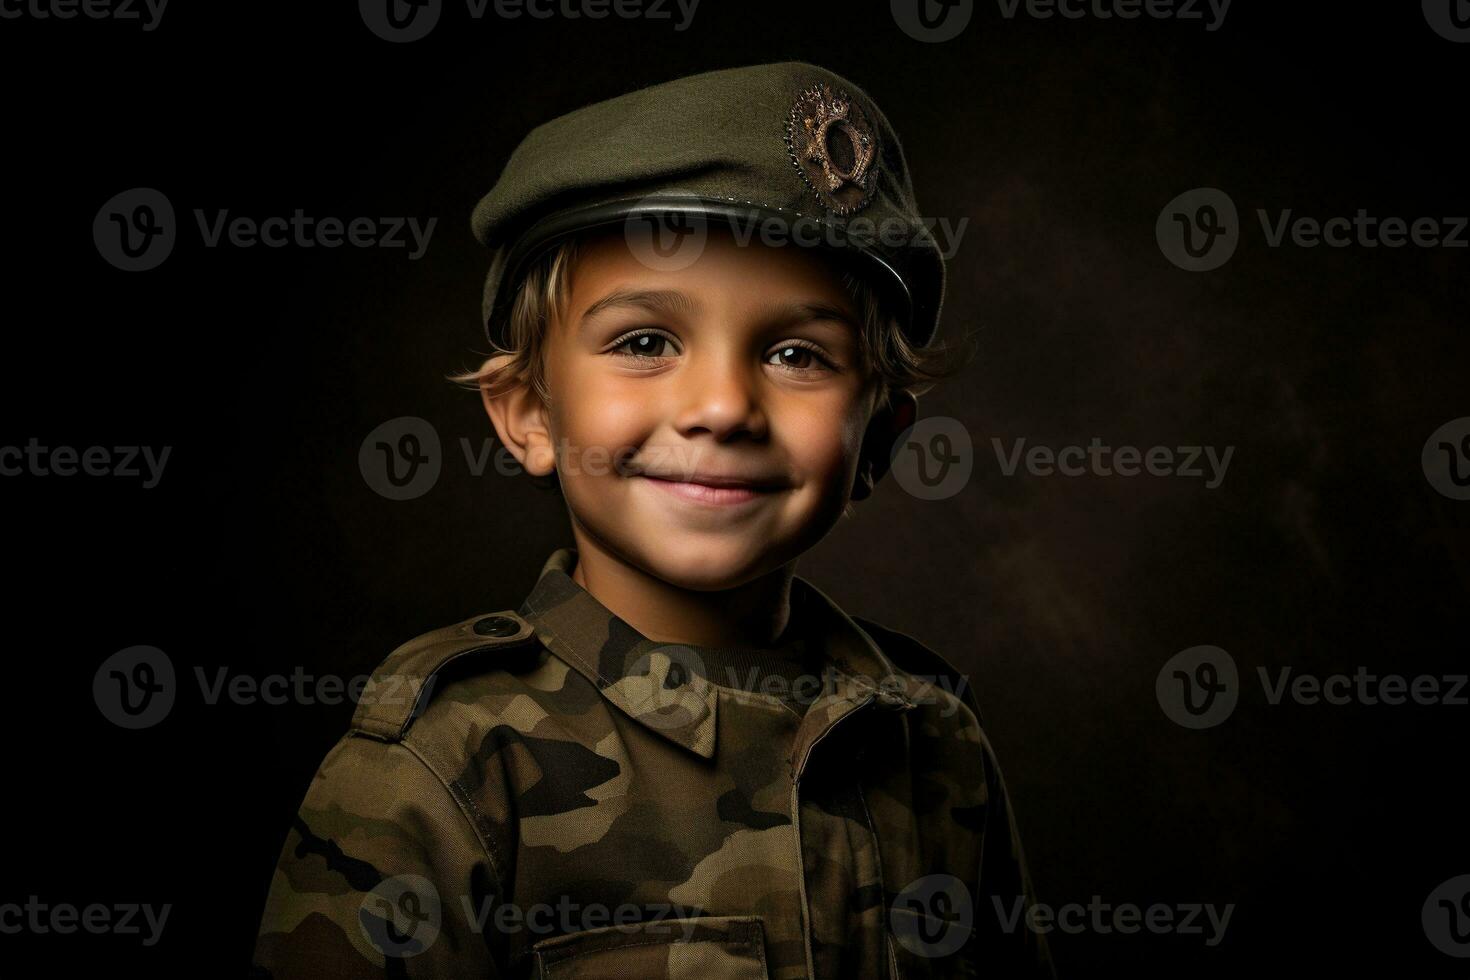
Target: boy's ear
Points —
{"points": [[886, 425], [520, 420]]}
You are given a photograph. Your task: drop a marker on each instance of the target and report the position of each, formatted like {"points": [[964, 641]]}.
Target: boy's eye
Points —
{"points": [[796, 358], [644, 345]]}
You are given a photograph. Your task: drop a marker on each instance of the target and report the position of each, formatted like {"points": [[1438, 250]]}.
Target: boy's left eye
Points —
{"points": [[797, 357], [643, 345]]}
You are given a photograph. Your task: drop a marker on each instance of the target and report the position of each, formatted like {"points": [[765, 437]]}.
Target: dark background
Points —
{"points": [[264, 550]]}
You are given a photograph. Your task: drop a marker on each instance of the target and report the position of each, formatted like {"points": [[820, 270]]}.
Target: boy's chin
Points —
{"points": [[707, 569]]}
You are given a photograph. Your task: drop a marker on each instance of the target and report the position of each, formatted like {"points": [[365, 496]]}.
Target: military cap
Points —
{"points": [[788, 150]]}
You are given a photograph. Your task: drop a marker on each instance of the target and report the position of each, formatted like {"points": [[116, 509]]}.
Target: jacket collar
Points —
{"points": [[663, 687]]}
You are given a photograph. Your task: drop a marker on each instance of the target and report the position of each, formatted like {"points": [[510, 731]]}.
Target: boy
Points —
{"points": [[676, 759]]}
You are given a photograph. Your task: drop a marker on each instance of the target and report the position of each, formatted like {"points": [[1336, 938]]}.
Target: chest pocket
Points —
{"points": [[706, 948]]}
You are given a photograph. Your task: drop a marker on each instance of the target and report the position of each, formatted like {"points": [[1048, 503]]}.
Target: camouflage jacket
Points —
{"points": [[548, 793]]}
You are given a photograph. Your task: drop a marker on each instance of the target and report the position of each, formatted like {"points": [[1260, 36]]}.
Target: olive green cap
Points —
{"points": [[786, 154]]}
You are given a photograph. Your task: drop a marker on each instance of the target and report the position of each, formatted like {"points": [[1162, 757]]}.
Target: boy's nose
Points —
{"points": [[721, 399]]}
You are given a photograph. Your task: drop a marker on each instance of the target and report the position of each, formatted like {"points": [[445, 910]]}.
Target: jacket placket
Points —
{"points": [[844, 707]]}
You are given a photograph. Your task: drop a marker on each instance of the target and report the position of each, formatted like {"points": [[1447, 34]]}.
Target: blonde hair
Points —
{"points": [[543, 294]]}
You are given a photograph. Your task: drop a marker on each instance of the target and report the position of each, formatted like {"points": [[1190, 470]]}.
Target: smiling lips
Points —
{"points": [[715, 489]]}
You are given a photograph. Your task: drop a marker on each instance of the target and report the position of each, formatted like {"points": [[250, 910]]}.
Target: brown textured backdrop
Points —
{"points": [[263, 550]]}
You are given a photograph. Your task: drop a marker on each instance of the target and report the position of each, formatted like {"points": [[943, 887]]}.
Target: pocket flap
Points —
{"points": [[702, 948]]}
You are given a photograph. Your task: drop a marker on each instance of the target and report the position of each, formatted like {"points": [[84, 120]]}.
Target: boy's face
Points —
{"points": [[706, 423]]}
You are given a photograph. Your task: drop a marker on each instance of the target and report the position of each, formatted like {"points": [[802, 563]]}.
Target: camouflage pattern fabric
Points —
{"points": [[548, 793]]}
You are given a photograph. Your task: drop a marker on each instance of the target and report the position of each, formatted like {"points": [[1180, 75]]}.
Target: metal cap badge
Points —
{"points": [[834, 147]]}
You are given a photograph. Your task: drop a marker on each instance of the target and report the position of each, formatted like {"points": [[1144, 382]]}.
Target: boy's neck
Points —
{"points": [[754, 614]]}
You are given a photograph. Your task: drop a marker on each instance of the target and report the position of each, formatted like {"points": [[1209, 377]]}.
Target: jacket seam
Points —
{"points": [[882, 885], [570, 649], [466, 806]]}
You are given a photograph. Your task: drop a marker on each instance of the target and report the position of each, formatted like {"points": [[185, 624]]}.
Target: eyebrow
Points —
{"points": [[657, 301], [671, 302], [784, 314]]}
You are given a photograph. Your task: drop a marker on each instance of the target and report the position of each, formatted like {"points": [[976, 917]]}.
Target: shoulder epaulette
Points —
{"points": [[402, 684]]}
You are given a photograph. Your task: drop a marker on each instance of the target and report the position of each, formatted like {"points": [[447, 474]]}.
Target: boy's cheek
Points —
{"points": [[823, 437], [598, 417], [604, 401]]}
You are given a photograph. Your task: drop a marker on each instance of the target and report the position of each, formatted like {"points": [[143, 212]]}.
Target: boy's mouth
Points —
{"points": [[710, 488]]}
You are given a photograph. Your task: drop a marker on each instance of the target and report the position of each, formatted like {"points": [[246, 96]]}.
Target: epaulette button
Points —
{"points": [[497, 626]]}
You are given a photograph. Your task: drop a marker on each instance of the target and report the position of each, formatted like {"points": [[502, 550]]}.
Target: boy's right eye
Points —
{"points": [[643, 344]]}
